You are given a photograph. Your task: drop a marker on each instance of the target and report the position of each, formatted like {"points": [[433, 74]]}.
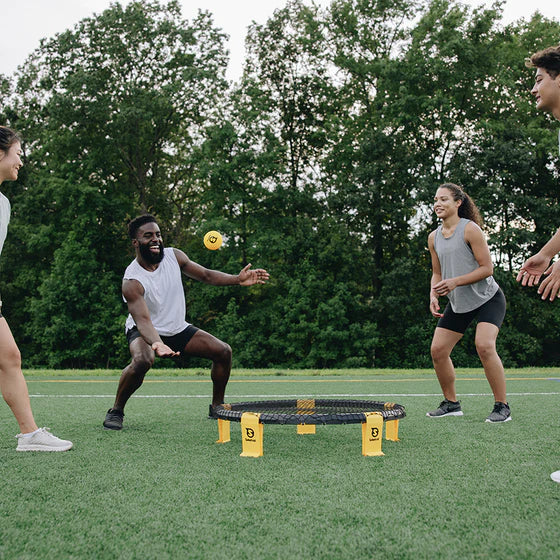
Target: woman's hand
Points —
{"points": [[434, 306], [445, 286]]}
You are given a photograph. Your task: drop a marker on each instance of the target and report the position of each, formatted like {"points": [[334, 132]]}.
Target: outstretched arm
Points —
{"points": [[133, 293], [247, 276]]}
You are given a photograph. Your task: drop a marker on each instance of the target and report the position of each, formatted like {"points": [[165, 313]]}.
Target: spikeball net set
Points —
{"points": [[306, 414]]}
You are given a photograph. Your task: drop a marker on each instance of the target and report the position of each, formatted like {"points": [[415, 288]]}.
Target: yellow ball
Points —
{"points": [[213, 240]]}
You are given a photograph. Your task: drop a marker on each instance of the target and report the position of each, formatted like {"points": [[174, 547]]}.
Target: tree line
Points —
{"points": [[319, 164]]}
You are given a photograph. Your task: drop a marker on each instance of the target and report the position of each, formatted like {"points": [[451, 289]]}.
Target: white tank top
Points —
{"points": [[163, 292], [4, 219]]}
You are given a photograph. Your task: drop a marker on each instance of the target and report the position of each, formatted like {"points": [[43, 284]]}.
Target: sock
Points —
{"points": [[31, 433]]}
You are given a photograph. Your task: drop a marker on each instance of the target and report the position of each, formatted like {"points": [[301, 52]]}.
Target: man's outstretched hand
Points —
{"points": [[248, 277]]}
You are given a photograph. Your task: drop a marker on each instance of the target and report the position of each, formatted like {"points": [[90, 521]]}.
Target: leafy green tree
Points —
{"points": [[319, 165], [514, 165], [367, 172], [112, 111]]}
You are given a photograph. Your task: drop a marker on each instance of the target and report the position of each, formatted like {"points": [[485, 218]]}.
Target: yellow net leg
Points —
{"points": [[306, 428], [251, 435], [372, 432], [392, 430], [223, 431], [306, 406]]}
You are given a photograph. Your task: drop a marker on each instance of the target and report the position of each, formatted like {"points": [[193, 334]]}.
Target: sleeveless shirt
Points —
{"points": [[5, 209], [163, 292], [456, 258]]}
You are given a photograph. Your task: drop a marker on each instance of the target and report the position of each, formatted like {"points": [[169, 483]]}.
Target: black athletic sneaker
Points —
{"points": [[501, 413], [113, 419], [446, 408], [212, 410]]}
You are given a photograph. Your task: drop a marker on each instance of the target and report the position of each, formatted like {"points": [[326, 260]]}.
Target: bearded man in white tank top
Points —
{"points": [[153, 290]]}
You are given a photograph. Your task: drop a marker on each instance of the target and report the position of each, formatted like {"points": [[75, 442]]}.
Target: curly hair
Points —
{"points": [[468, 208], [138, 222], [549, 59]]}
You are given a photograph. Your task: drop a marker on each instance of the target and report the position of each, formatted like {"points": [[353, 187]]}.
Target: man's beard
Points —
{"points": [[148, 256]]}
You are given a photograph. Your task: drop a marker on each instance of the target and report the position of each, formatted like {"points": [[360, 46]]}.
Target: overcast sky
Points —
{"points": [[25, 22]]}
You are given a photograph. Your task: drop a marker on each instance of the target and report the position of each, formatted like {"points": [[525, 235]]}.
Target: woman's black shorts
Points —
{"points": [[493, 311]]}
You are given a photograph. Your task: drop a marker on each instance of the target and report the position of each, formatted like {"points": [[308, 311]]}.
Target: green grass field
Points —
{"points": [[162, 488]]}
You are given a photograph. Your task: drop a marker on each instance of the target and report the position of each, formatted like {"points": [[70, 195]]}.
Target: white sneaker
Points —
{"points": [[555, 476], [43, 440]]}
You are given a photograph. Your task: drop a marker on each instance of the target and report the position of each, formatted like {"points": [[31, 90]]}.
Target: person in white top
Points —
{"points": [[156, 326], [12, 382], [547, 94]]}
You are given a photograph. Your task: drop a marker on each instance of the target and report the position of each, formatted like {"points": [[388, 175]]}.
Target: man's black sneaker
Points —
{"points": [[113, 419], [446, 408], [212, 410], [501, 413]]}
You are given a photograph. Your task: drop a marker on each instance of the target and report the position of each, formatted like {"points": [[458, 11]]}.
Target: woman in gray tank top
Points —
{"points": [[462, 271]]}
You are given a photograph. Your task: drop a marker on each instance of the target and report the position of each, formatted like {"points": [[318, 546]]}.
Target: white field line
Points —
{"points": [[298, 396]]}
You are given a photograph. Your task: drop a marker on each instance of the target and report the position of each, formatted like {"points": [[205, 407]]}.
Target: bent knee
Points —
{"points": [[224, 352], [141, 364], [439, 352], [485, 348], [11, 358]]}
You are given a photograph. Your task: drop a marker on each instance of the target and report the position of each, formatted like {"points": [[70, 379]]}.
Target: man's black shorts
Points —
{"points": [[177, 342], [493, 311]]}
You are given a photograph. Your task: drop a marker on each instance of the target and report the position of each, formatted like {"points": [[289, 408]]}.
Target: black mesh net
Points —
{"points": [[311, 411]]}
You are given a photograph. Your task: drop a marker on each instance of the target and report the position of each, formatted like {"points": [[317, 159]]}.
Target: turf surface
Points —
{"points": [[162, 488]]}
